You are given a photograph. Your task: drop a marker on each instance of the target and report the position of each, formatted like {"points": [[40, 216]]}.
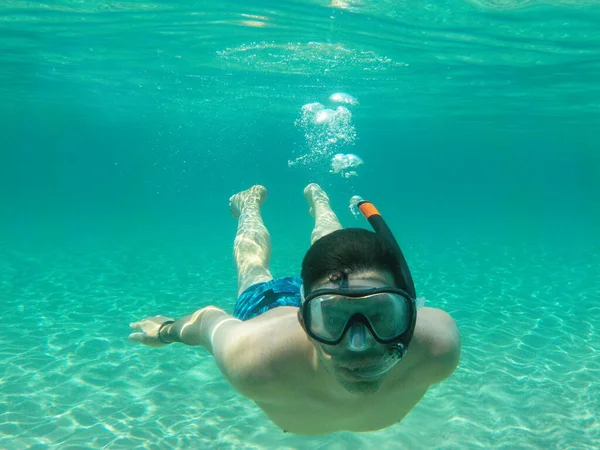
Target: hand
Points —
{"points": [[149, 331]]}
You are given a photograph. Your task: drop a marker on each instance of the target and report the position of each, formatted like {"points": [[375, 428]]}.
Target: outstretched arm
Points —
{"points": [[244, 351], [232, 343], [199, 328]]}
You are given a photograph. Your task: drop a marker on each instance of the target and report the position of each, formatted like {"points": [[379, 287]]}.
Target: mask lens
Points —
{"points": [[326, 321], [387, 313]]}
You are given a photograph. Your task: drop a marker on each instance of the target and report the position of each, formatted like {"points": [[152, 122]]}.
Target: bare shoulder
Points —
{"points": [[269, 350], [438, 337]]}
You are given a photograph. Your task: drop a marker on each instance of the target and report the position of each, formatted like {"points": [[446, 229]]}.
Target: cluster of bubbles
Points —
{"points": [[344, 99], [354, 201], [344, 164], [327, 131]]}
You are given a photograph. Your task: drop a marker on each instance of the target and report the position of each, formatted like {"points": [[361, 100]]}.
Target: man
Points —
{"points": [[342, 348]]}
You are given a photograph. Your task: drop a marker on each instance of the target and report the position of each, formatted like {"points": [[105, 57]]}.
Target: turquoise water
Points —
{"points": [[127, 126]]}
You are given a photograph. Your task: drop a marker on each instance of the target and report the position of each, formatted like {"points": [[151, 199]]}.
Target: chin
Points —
{"points": [[361, 387], [357, 385]]}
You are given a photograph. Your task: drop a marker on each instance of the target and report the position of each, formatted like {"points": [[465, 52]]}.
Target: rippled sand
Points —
{"points": [[528, 316]]}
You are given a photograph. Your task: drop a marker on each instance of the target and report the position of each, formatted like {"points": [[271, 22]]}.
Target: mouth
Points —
{"points": [[359, 365], [358, 368], [366, 373]]}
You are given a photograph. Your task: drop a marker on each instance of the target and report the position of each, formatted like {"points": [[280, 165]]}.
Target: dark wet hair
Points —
{"points": [[347, 251]]}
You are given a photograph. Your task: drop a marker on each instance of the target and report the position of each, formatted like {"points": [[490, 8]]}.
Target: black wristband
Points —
{"points": [[162, 325]]}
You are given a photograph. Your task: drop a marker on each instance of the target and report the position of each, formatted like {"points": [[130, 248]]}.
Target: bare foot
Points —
{"points": [[315, 194], [255, 196]]}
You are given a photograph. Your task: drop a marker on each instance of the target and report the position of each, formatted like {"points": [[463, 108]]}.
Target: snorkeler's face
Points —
{"points": [[357, 362]]}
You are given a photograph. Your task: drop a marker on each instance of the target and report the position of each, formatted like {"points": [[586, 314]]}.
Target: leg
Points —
{"points": [[252, 245], [325, 219]]}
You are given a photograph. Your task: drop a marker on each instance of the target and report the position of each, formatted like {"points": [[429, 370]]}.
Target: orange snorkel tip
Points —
{"points": [[367, 209]]}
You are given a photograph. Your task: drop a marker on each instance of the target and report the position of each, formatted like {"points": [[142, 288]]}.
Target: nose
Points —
{"points": [[359, 337]]}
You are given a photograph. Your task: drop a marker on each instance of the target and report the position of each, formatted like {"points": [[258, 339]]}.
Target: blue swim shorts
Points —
{"points": [[261, 297]]}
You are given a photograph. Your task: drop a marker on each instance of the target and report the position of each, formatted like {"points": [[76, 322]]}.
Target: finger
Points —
{"points": [[144, 339], [136, 325], [136, 337]]}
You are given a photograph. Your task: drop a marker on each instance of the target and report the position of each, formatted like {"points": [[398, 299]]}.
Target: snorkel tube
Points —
{"points": [[397, 350], [380, 227]]}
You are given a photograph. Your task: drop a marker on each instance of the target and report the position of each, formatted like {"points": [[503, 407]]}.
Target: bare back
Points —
{"points": [[285, 378]]}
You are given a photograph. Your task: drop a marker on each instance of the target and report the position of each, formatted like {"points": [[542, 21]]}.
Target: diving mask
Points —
{"points": [[387, 313]]}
